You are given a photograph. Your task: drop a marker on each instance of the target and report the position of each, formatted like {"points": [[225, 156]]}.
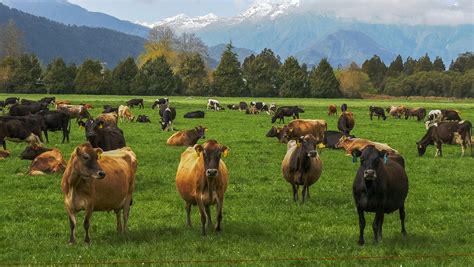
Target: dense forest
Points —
{"points": [[175, 65]]}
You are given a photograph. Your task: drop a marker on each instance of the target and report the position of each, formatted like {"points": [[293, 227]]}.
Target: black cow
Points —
{"points": [[447, 132], [48, 100], [194, 115], [346, 122], [344, 107], [26, 102], [331, 138], [24, 110], [377, 111], [11, 101], [380, 186], [450, 115], [260, 106], [58, 121], [159, 102], [287, 111], [107, 138], [110, 109], [143, 119], [36, 123], [32, 151], [168, 115], [243, 106], [232, 107], [135, 102], [17, 131]]}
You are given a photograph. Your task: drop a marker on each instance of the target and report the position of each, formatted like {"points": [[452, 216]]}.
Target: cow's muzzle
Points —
{"points": [[370, 174], [211, 172], [312, 153]]}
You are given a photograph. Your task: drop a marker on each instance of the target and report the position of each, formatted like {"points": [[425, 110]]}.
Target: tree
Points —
{"points": [[92, 79], [156, 78], [376, 69], [193, 74], [438, 64], [293, 79], [260, 73], [11, 41], [161, 43], [27, 75], [354, 82], [59, 78], [7, 68], [424, 64], [323, 82], [123, 76], [395, 68], [463, 63], [409, 66], [189, 43], [228, 75]]}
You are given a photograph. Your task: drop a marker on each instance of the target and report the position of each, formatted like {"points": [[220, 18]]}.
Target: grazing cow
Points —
{"points": [[96, 181], [396, 112], [332, 110], [124, 113], [4, 154], [243, 106], [57, 121], [273, 109], [24, 110], [48, 162], [135, 102], [346, 122], [287, 111], [77, 112], [280, 133], [260, 106], [11, 101], [331, 138], [344, 107], [418, 113], [108, 119], [380, 186], [194, 115], [27, 102], [143, 119], [18, 131], [214, 105], [448, 132], [377, 111], [168, 115], [159, 102], [48, 100], [302, 165], [32, 151], [298, 128], [107, 138], [201, 180], [232, 107], [350, 144], [187, 137], [110, 109]]}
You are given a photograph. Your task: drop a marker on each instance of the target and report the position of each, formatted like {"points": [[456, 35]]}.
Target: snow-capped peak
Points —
{"points": [[268, 8], [182, 22]]}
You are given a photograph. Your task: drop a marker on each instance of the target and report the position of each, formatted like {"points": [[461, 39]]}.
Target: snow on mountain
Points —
{"points": [[184, 23]]}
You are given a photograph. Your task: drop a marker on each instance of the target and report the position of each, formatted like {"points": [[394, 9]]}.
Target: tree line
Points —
{"points": [[177, 65]]}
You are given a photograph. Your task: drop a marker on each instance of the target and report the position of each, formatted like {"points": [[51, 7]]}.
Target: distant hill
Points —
{"points": [[49, 39], [67, 13]]}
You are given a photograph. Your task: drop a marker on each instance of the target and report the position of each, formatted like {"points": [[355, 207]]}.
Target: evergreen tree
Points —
{"points": [[463, 63], [59, 78], [424, 64], [409, 66], [228, 75], [376, 69], [123, 76], [293, 79], [395, 68], [262, 77], [11, 40], [249, 68], [323, 82], [92, 79], [438, 64], [7, 68], [27, 75], [156, 78], [193, 74]]}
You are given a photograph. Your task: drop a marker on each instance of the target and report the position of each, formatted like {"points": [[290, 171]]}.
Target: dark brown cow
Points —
{"points": [[32, 151], [48, 162], [96, 181], [201, 180], [280, 133], [187, 137], [4, 154], [135, 102], [332, 110], [447, 132], [346, 122], [418, 113]]}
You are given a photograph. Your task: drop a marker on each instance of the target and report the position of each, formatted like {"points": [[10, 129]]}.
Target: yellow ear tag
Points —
{"points": [[101, 126], [99, 155], [81, 127], [321, 146], [206, 129], [226, 153], [291, 130], [278, 131]]}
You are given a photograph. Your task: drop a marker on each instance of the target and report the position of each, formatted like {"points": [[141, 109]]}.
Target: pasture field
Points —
{"points": [[262, 225]]}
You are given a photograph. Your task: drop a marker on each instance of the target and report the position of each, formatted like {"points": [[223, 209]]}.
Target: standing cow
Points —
{"points": [[346, 122], [447, 132]]}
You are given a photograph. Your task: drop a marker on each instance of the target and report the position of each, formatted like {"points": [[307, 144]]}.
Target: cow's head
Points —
{"points": [[201, 132], [86, 162], [421, 148], [370, 159], [211, 152], [308, 145], [274, 132], [32, 151], [91, 127], [300, 110]]}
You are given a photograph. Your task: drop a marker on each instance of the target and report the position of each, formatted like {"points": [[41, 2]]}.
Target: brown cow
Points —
{"points": [[302, 165], [187, 137], [280, 133], [98, 181], [87, 106], [395, 111], [298, 128], [62, 102], [201, 180], [346, 122], [124, 113], [48, 162], [75, 111], [418, 113], [108, 119], [351, 144], [332, 110], [4, 154]]}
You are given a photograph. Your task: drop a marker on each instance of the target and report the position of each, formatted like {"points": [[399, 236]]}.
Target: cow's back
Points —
{"points": [[304, 127], [178, 139]]}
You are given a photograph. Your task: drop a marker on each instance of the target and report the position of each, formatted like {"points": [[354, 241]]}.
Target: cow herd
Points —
{"points": [[100, 175]]}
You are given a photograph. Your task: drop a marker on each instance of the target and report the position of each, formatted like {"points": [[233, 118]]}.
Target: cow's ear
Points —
{"points": [[77, 151], [225, 151], [199, 149], [99, 152], [355, 154]]}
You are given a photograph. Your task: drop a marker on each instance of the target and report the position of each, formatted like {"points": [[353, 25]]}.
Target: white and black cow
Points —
{"points": [[447, 132], [260, 106], [439, 115], [168, 115], [214, 105]]}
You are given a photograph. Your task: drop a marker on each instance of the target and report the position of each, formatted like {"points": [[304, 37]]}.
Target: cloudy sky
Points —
{"points": [[380, 11]]}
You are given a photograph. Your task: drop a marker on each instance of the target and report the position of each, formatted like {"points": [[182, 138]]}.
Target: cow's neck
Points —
{"points": [[426, 140]]}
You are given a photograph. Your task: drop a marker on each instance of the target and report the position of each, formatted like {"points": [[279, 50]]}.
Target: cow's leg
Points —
{"points": [[4, 144], [361, 226], [126, 212], [439, 152], [462, 150], [188, 214], [72, 225], [118, 214], [303, 193], [295, 192], [209, 217], [371, 116], [402, 220], [377, 225], [46, 135], [87, 223], [202, 211], [220, 203]]}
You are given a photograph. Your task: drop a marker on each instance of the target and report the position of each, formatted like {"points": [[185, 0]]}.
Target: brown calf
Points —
{"points": [[48, 162], [332, 110], [351, 144]]}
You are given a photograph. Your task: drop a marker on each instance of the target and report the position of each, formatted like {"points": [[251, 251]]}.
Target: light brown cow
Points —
{"points": [[48, 162], [4, 154], [124, 113], [332, 110], [395, 111], [108, 119], [98, 181], [187, 137], [62, 102], [302, 165], [201, 180], [298, 128], [350, 144], [75, 111]]}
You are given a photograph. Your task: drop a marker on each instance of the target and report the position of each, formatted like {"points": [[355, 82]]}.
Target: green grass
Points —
{"points": [[261, 225]]}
